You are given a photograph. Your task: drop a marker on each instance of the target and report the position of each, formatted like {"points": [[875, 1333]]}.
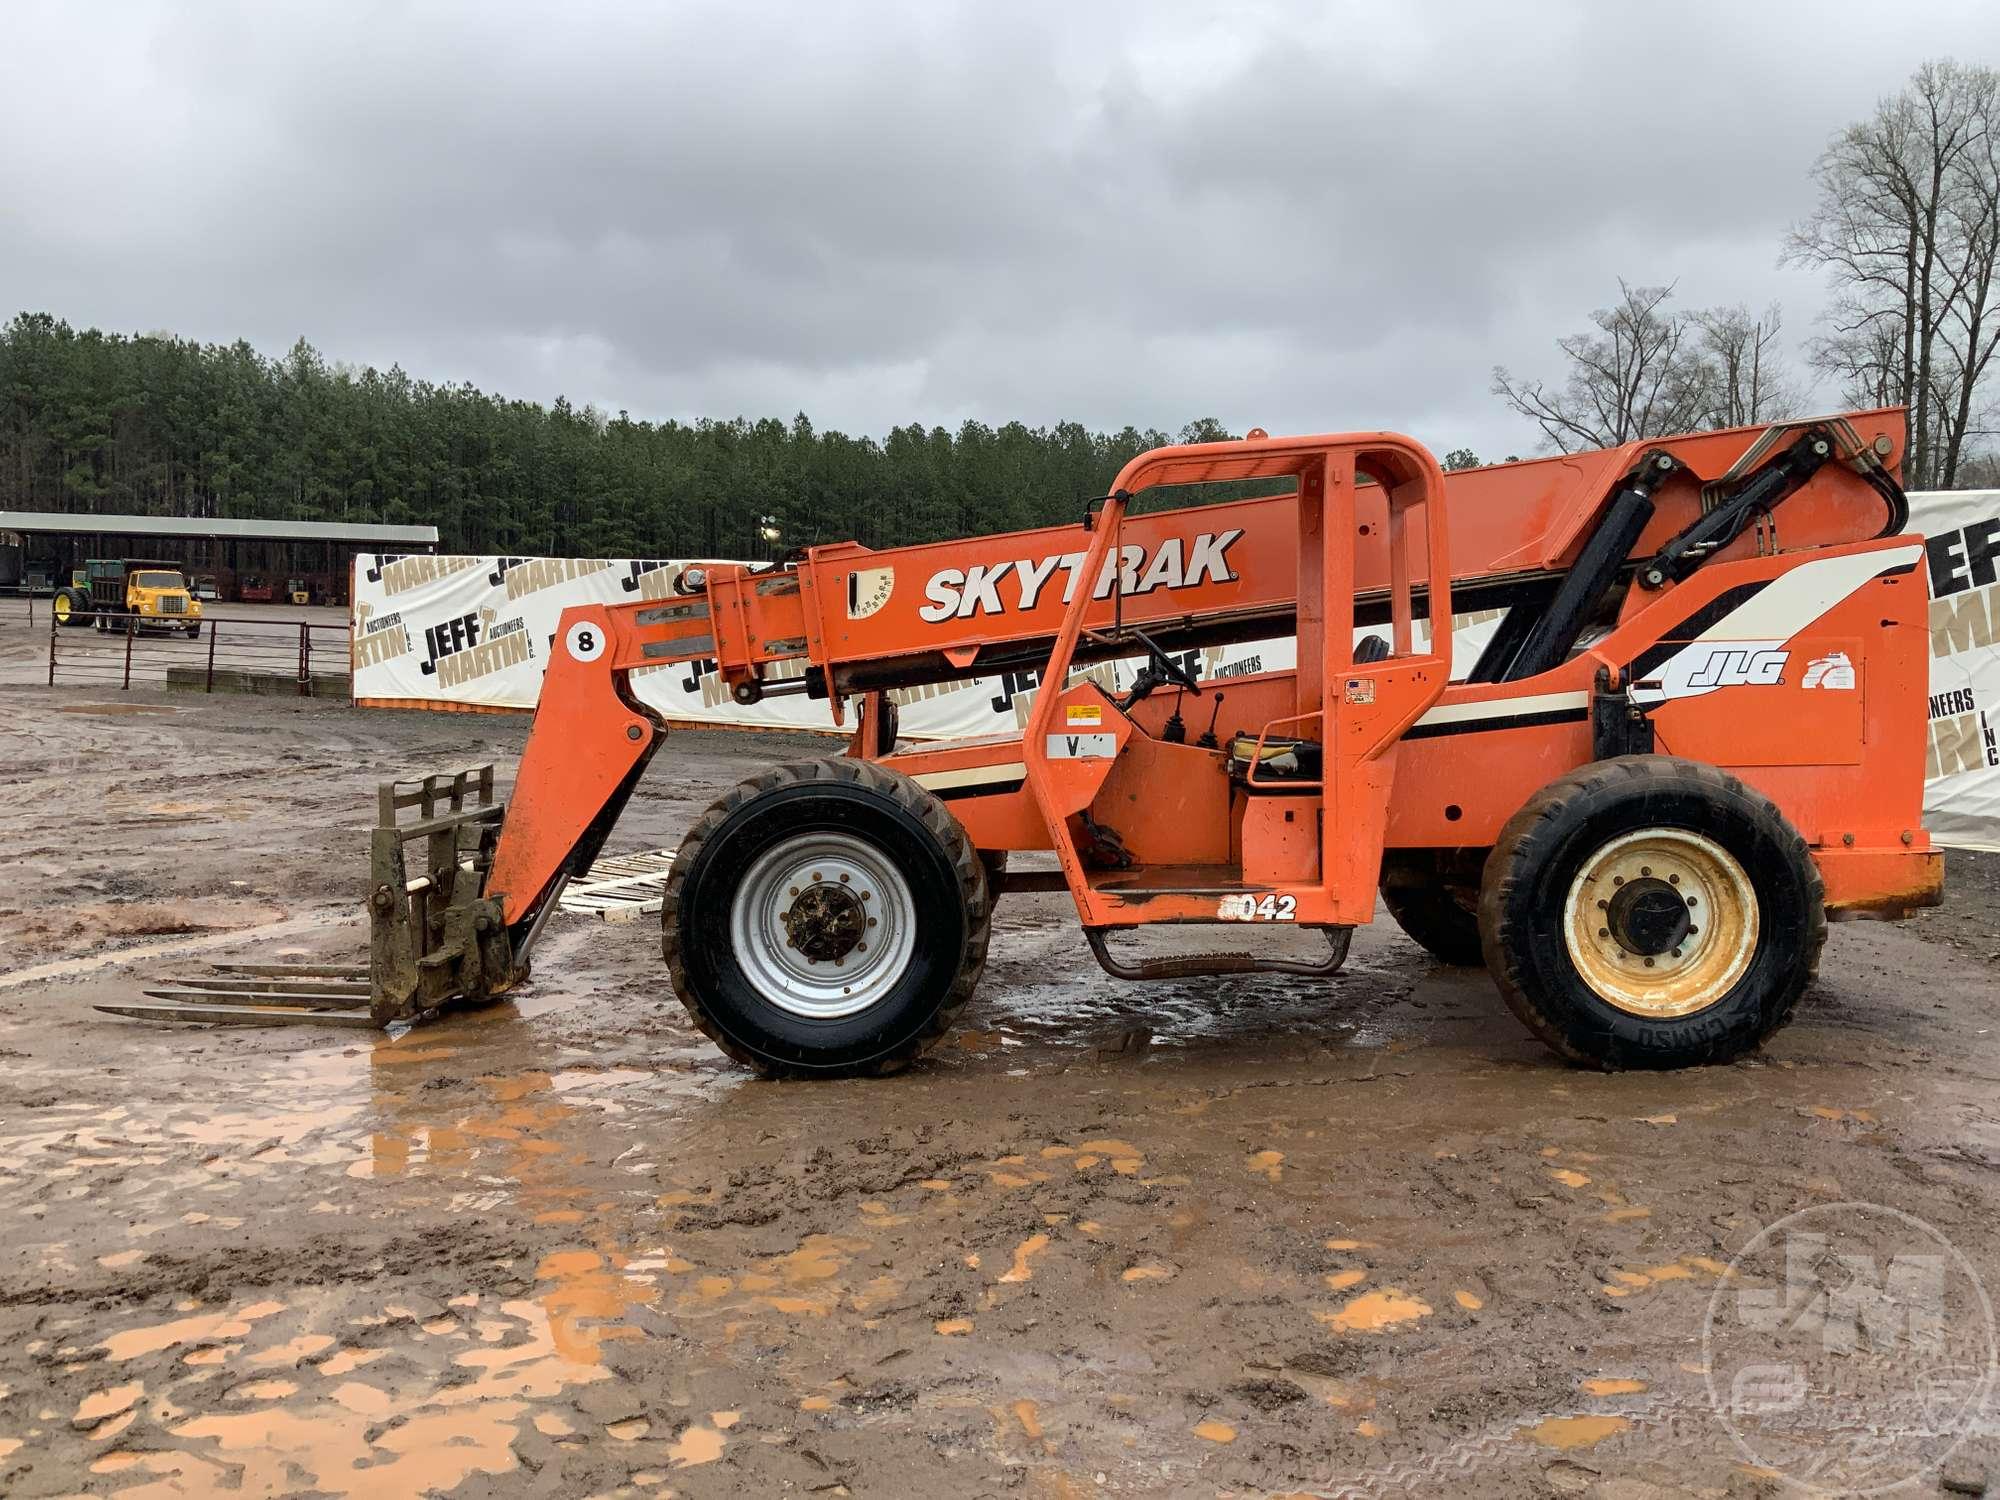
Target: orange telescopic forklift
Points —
{"points": [[1695, 733]]}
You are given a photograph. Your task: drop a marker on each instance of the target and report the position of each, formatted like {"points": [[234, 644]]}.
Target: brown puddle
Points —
{"points": [[1373, 1311], [696, 1445], [107, 1403], [1032, 1246], [204, 1328], [584, 1291], [1270, 1165], [1568, 1434]]}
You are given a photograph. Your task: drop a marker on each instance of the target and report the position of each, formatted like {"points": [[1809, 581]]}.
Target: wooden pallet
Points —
{"points": [[621, 887]]}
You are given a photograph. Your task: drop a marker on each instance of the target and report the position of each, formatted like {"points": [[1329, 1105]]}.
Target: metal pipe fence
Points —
{"points": [[229, 653]]}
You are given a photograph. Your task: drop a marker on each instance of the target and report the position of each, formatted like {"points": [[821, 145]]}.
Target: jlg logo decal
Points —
{"points": [[1708, 665], [961, 593]]}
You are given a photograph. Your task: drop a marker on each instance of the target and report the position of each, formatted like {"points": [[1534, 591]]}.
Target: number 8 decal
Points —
{"points": [[585, 641]]}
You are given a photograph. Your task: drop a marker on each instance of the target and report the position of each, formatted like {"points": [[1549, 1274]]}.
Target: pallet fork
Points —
{"points": [[432, 938]]}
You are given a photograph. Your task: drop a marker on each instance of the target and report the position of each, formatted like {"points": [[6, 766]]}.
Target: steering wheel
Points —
{"points": [[1165, 667]]}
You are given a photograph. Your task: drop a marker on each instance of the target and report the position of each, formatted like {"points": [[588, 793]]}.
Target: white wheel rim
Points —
{"points": [[816, 873], [1688, 975]]}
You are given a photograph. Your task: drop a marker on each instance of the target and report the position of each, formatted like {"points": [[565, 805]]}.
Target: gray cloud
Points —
{"points": [[1304, 216]]}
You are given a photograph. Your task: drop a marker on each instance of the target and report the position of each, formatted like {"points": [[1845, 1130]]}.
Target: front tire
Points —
{"points": [[827, 918], [1651, 912]]}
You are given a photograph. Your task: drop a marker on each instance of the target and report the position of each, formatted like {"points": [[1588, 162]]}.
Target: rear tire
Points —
{"points": [[825, 919], [68, 607], [1651, 912], [1439, 916]]}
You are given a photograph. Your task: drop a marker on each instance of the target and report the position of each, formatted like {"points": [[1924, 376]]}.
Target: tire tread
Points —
{"points": [[912, 799], [1522, 839]]}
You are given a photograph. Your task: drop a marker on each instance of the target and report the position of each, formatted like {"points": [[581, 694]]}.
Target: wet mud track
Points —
{"points": [[1239, 1236]]}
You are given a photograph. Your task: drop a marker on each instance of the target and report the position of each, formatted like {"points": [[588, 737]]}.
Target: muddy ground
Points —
{"points": [[1237, 1237]]}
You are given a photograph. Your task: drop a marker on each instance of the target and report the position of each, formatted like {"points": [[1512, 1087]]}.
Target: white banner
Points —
{"points": [[1962, 789], [475, 631]]}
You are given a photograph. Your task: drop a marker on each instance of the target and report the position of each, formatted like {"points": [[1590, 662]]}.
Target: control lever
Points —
{"points": [[1208, 741]]}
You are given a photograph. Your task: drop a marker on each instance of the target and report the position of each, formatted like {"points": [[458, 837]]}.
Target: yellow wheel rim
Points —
{"points": [[1661, 923], [62, 610]]}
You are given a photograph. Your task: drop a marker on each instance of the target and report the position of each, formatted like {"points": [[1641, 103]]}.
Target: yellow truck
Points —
{"points": [[114, 592]]}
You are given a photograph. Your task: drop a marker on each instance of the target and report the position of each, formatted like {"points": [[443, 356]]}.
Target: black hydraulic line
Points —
{"points": [[1771, 484], [1577, 600], [1893, 497]]}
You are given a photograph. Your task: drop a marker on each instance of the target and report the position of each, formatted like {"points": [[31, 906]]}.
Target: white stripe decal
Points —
{"points": [[1795, 599], [938, 781], [1746, 646], [1505, 708]]}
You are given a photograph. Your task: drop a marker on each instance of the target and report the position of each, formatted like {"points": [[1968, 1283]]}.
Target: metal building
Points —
{"points": [[254, 560]]}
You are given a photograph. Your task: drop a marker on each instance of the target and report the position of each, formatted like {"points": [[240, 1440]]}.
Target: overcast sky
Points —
{"points": [[1301, 216]]}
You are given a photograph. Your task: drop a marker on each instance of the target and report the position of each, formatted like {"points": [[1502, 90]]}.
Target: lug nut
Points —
{"points": [[1673, 880], [843, 878], [1649, 963]]}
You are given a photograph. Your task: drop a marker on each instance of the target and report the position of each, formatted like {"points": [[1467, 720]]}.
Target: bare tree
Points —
{"points": [[1908, 225], [1641, 372], [1746, 379]]}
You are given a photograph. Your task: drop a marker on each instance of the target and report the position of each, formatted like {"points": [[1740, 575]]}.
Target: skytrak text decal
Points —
{"points": [[961, 593]]}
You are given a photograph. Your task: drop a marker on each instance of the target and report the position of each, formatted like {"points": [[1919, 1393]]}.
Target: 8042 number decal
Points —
{"points": [[1249, 908]]}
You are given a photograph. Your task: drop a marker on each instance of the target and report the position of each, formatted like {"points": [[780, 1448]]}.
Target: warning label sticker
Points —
{"points": [[1081, 714]]}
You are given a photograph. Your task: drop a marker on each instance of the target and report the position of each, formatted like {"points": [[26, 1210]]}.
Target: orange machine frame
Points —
{"points": [[1200, 837]]}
